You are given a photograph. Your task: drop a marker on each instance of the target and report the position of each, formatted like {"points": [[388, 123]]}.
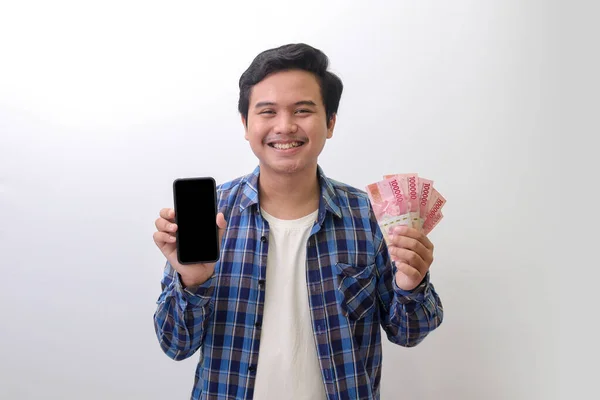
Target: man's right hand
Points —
{"points": [[164, 237]]}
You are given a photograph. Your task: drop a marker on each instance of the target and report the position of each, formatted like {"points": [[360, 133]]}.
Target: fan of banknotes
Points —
{"points": [[406, 200]]}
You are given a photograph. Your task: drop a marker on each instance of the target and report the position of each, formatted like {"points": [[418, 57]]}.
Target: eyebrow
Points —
{"points": [[298, 103]]}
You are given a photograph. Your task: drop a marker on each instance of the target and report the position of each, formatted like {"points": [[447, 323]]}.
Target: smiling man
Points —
{"points": [[295, 306]]}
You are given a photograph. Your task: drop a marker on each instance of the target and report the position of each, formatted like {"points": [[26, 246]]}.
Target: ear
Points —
{"points": [[245, 123], [331, 125]]}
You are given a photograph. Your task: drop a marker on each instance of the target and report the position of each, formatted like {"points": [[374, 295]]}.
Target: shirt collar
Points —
{"points": [[329, 199]]}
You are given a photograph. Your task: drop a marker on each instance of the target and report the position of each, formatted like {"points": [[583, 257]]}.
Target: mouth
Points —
{"points": [[286, 145]]}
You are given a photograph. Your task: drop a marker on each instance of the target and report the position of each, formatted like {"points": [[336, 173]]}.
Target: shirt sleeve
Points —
{"points": [[407, 317], [182, 315]]}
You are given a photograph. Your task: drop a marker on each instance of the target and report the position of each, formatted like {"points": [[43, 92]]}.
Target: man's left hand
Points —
{"points": [[413, 253]]}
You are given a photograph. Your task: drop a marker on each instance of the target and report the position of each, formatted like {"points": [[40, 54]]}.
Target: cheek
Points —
{"points": [[318, 130], [254, 133]]}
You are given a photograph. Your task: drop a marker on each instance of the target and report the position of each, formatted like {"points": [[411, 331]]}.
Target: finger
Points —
{"points": [[414, 234], [409, 257], [162, 225], [168, 214], [409, 243], [409, 271], [160, 238]]}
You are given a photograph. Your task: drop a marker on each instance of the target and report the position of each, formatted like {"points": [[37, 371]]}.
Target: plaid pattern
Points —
{"points": [[351, 285]]}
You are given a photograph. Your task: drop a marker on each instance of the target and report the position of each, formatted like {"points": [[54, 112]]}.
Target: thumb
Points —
{"points": [[222, 224]]}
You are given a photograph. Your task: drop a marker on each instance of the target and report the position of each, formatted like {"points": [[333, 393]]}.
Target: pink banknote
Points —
{"points": [[406, 199], [409, 183], [425, 188], [389, 205], [432, 222], [435, 204]]}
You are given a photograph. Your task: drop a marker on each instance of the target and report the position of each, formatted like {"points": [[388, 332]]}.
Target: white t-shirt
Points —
{"points": [[288, 367]]}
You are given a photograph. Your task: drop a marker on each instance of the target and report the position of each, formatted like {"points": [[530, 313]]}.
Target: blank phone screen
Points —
{"points": [[195, 214]]}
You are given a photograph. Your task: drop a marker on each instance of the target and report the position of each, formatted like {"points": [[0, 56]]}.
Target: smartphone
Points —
{"points": [[197, 236]]}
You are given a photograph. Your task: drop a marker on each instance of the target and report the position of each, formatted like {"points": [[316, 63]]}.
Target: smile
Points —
{"points": [[286, 146]]}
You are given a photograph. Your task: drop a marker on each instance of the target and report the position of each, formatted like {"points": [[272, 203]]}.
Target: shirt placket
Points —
{"points": [[260, 263], [319, 314]]}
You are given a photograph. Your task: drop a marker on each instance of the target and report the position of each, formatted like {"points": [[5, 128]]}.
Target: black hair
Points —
{"points": [[297, 56]]}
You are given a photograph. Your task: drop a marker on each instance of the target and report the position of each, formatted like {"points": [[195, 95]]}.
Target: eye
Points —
{"points": [[303, 111], [267, 112]]}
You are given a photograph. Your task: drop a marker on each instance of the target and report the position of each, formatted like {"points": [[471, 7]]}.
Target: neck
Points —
{"points": [[289, 196]]}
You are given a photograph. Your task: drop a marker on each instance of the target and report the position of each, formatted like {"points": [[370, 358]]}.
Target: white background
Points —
{"points": [[103, 104]]}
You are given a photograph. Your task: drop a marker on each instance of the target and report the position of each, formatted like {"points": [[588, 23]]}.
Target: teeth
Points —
{"points": [[285, 146]]}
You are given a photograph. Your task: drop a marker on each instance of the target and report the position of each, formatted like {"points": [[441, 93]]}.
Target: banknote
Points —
{"points": [[425, 187], [432, 222], [406, 199], [409, 183], [389, 205], [435, 204]]}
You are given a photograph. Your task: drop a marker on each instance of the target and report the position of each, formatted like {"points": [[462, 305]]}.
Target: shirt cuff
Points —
{"points": [[415, 295], [198, 295]]}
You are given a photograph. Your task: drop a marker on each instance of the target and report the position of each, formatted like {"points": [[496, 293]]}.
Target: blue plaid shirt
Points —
{"points": [[352, 295]]}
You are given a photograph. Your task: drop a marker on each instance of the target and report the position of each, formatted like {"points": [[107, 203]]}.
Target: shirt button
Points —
{"points": [[263, 239], [261, 282], [257, 324], [252, 368]]}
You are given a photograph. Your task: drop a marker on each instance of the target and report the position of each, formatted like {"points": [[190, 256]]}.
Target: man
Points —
{"points": [[294, 307]]}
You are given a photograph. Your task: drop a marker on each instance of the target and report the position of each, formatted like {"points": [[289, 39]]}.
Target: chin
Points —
{"points": [[285, 167]]}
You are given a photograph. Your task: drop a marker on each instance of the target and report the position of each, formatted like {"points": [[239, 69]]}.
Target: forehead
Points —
{"points": [[287, 87]]}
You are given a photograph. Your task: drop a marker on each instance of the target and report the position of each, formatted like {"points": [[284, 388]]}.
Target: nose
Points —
{"points": [[285, 124]]}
